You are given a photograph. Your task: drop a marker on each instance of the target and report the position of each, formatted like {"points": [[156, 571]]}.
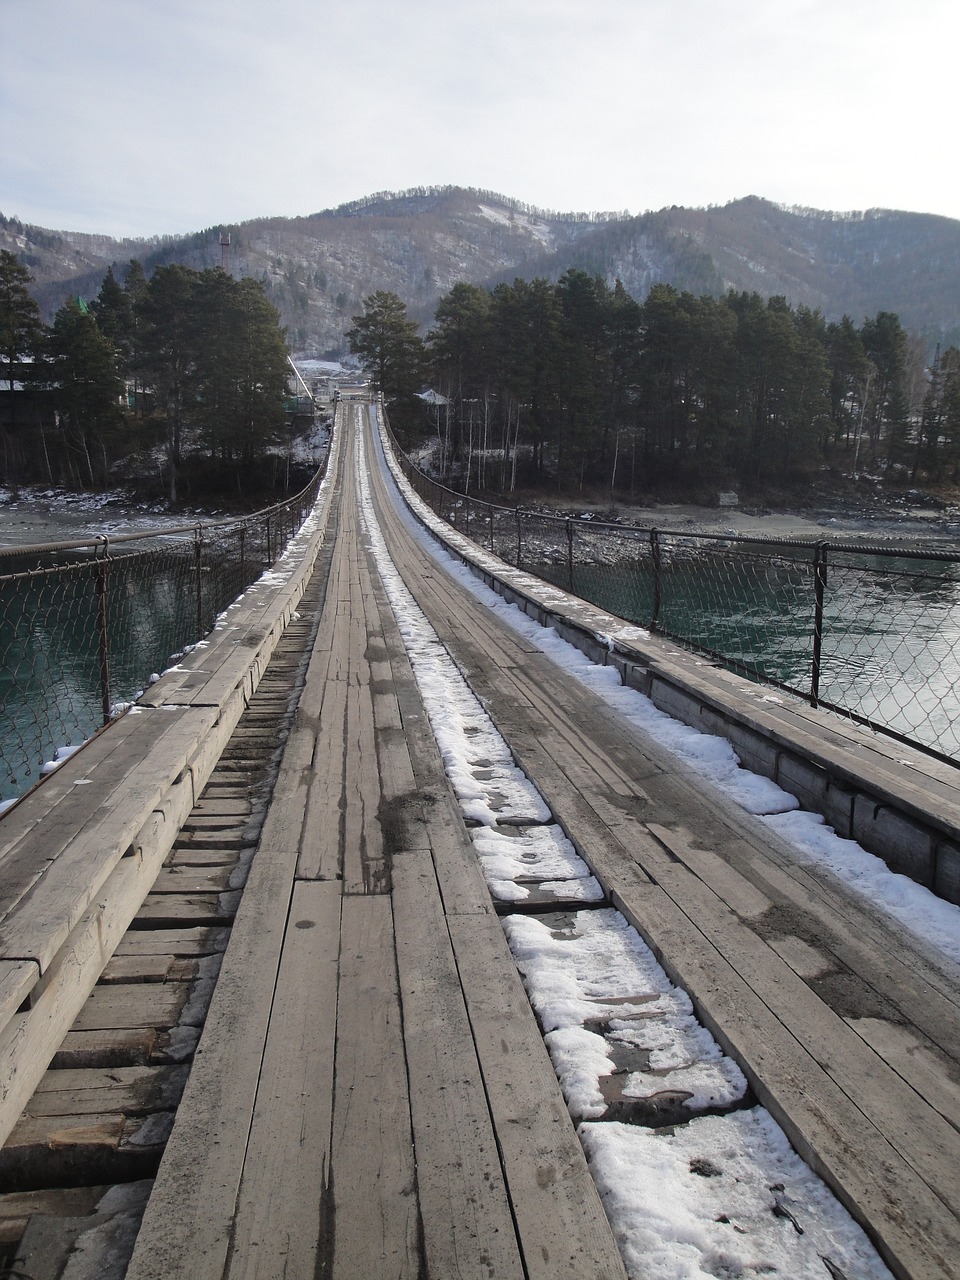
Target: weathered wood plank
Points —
{"points": [[739, 894], [131, 1046], [322, 839], [177, 878], [110, 1008], [464, 1206], [150, 968], [933, 1075], [189, 1219], [51, 894], [188, 908], [374, 1173], [179, 941], [282, 1226], [30, 1038], [128, 1091], [17, 980]]}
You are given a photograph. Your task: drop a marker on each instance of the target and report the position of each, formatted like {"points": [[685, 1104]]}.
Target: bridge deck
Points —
{"points": [[371, 1095]]}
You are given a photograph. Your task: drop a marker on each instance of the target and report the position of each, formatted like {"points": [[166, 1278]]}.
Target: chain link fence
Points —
{"points": [[84, 625], [870, 632]]}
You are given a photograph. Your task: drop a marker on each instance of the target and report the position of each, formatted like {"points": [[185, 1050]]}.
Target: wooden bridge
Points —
{"points": [[260, 1016]]}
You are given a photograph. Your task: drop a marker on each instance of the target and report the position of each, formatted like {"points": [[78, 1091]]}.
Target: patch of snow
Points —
{"points": [[722, 1196]]}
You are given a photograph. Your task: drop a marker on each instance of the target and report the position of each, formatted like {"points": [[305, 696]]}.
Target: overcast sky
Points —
{"points": [[136, 118]]}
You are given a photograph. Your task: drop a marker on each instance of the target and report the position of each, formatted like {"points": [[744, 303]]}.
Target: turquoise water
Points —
{"points": [[50, 688], [891, 629]]}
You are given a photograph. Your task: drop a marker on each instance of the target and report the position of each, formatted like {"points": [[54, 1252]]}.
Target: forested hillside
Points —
{"points": [[317, 269]]}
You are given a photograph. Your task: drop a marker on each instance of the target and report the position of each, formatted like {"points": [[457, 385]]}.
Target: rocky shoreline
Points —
{"points": [[911, 518]]}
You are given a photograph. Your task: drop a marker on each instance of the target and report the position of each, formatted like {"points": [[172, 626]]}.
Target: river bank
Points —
{"points": [[904, 518], [34, 516]]}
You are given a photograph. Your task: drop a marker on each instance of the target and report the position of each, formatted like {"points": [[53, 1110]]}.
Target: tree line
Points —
{"points": [[576, 384], [181, 374]]}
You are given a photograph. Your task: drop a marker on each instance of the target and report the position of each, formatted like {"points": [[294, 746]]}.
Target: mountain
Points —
{"points": [[317, 269]]}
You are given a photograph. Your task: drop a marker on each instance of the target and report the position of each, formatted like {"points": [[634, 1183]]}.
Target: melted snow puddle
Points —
{"points": [[689, 1193]]}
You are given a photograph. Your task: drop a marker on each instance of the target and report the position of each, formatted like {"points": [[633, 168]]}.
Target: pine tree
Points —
{"points": [[87, 388], [22, 336], [390, 351]]}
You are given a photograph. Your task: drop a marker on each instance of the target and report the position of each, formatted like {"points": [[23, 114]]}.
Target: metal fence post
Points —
{"points": [[570, 555], [493, 547], [103, 635], [198, 567], [819, 589], [657, 579], [519, 537]]}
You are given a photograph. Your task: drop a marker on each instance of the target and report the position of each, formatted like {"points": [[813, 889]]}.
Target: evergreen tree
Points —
{"points": [[22, 331], [584, 375], [885, 343], [527, 356], [457, 347], [623, 325], [167, 356], [22, 336], [848, 374], [114, 314], [261, 370], [87, 388], [390, 350]]}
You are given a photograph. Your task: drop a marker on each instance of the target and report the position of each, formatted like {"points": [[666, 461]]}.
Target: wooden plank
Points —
{"points": [[177, 878], [17, 980], [372, 1159], [284, 820], [282, 1226], [464, 1206], [131, 1046], [150, 968], [30, 1038], [67, 783], [735, 890], [365, 869], [193, 857], [321, 847], [562, 1227], [51, 897], [65, 1148], [934, 1076], [17, 1207], [136, 1090], [920, 992], [188, 1222], [189, 941], [188, 908], [110, 1008]]}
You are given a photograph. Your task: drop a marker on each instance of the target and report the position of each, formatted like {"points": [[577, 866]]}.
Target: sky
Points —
{"points": [[135, 119]]}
